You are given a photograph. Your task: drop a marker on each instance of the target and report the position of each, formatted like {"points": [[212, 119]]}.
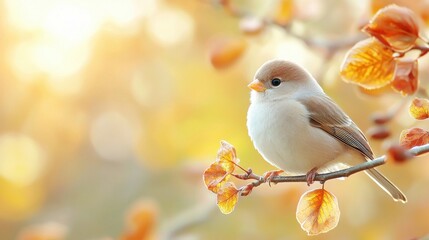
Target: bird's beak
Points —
{"points": [[257, 86]]}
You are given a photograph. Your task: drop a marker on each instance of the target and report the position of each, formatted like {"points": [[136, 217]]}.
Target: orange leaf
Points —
{"points": [[226, 52], [406, 77], [284, 11], [398, 154], [369, 64], [419, 108], [141, 221], [318, 211], [394, 26], [214, 177], [227, 197], [227, 157], [413, 137]]}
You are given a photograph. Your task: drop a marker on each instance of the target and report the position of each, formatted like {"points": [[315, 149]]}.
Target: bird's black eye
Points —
{"points": [[275, 82]]}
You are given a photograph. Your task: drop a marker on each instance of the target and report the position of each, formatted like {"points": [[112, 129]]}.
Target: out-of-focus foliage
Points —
{"points": [[225, 52], [141, 221]]}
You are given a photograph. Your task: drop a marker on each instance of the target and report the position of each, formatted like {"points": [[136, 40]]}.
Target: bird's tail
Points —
{"points": [[386, 185]]}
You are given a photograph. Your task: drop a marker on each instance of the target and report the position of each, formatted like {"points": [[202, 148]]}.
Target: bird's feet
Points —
{"points": [[311, 175], [268, 176]]}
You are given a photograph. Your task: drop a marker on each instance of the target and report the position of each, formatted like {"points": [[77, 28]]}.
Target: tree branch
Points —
{"points": [[415, 151], [329, 45]]}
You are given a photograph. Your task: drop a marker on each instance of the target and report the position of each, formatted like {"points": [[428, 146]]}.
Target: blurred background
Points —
{"points": [[111, 110]]}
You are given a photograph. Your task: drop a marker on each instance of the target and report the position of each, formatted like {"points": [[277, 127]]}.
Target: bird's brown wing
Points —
{"points": [[328, 116]]}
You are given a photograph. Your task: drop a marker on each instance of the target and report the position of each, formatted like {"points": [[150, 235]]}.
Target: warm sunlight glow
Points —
{"points": [[171, 26], [70, 23], [21, 160]]}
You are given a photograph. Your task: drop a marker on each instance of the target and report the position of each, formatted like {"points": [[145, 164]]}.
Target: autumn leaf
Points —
{"points": [[227, 156], [406, 77], [284, 11], [419, 108], [398, 154], [226, 52], [318, 211], [219, 172], [227, 197], [394, 26], [214, 177], [413, 137], [141, 221], [369, 64]]}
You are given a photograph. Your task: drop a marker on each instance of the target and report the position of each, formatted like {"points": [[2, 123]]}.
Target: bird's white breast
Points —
{"points": [[281, 132]]}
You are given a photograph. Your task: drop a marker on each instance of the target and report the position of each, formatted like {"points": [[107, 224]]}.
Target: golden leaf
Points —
{"points": [[369, 64], [406, 77], [226, 52], [318, 211], [394, 26], [284, 12], [227, 156], [214, 177], [419, 108], [227, 197], [413, 137]]}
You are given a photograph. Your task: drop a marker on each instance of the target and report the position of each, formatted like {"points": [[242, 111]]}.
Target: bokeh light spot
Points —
{"points": [[21, 160], [171, 26], [112, 136]]}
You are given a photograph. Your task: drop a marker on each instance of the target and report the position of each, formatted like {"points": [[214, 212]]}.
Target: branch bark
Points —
{"points": [[415, 151]]}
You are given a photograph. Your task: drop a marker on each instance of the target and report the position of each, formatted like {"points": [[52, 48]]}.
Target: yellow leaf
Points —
{"points": [[413, 137], [318, 211], [284, 11], [227, 157], [419, 108], [394, 26], [227, 197], [369, 64], [226, 52], [214, 177], [406, 77]]}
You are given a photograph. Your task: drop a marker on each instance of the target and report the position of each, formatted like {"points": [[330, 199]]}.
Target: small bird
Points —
{"points": [[297, 128]]}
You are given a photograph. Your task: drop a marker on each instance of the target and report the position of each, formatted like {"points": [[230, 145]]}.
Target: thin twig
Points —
{"points": [[415, 151], [329, 45]]}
